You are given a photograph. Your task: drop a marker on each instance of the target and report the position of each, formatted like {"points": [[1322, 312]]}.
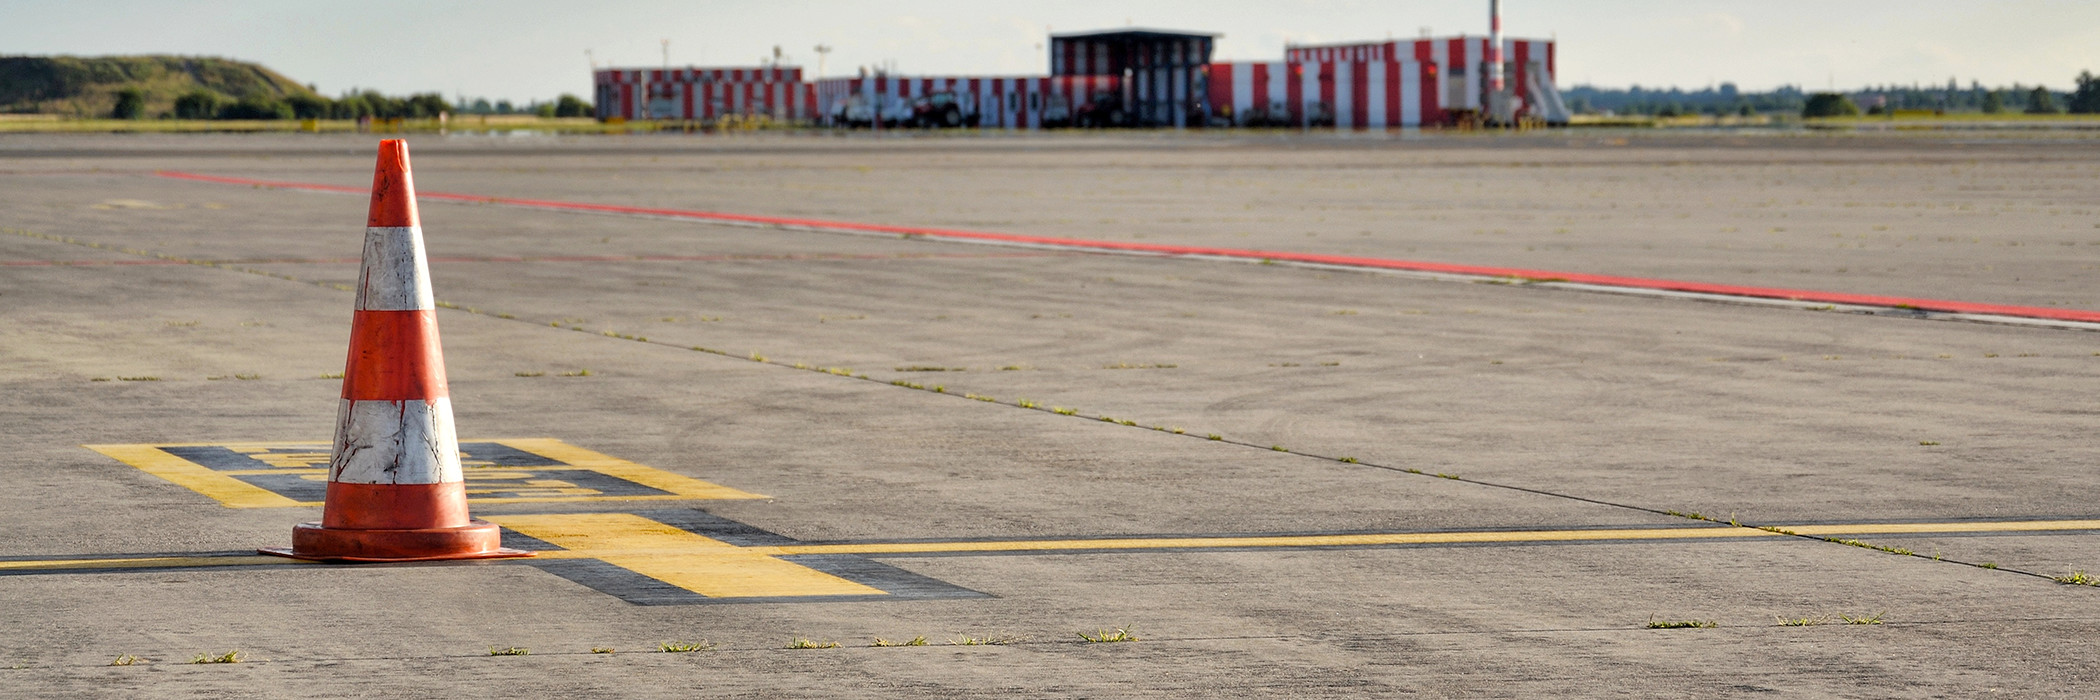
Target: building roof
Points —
{"points": [[1136, 33]]}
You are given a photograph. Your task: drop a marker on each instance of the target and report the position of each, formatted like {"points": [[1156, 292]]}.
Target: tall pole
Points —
{"points": [[1495, 45]]}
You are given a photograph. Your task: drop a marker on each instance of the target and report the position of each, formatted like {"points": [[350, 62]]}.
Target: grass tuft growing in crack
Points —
{"points": [[918, 641], [230, 657], [1109, 636], [680, 647], [2075, 578]]}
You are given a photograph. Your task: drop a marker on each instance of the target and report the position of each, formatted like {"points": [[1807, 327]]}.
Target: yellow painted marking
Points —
{"points": [[1371, 539], [683, 487], [227, 490], [699, 564], [143, 563], [234, 493], [1908, 528]]}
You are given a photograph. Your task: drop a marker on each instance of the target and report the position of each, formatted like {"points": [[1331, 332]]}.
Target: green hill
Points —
{"points": [[87, 87]]}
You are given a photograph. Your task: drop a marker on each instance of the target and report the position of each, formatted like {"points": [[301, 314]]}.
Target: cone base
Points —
{"points": [[476, 540]]}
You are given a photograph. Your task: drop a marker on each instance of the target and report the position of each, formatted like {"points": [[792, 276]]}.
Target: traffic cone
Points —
{"points": [[395, 491]]}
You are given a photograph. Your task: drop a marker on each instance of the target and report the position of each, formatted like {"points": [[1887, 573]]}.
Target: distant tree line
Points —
{"points": [[356, 104], [1791, 99]]}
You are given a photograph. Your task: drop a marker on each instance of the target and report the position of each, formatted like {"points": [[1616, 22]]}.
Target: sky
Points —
{"points": [[524, 50]]}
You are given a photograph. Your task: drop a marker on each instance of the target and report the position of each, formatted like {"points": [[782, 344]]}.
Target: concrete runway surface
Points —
{"points": [[1279, 480]]}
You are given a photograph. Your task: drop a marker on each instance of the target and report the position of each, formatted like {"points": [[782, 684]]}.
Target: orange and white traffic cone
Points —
{"points": [[395, 490]]}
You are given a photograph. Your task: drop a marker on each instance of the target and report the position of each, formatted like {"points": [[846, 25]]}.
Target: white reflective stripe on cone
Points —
{"points": [[395, 277], [395, 442]]}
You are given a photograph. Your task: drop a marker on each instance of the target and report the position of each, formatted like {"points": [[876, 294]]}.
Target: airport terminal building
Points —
{"points": [[1124, 78]]}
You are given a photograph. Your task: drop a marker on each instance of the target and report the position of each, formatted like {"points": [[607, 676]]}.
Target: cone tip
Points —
{"points": [[393, 188]]}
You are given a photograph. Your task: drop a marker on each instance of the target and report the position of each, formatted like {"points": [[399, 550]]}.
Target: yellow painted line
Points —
{"points": [[231, 492], [680, 486], [1373, 539], [1927, 528], [143, 563], [699, 564]]}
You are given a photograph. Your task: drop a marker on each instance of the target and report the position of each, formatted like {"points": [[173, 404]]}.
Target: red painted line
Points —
{"points": [[80, 263], [545, 258], [1803, 295]]}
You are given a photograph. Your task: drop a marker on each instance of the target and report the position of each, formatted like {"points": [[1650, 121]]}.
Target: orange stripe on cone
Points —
{"points": [[395, 506], [395, 420], [393, 188], [394, 356]]}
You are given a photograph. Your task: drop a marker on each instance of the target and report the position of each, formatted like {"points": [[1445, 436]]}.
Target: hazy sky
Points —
{"points": [[526, 49]]}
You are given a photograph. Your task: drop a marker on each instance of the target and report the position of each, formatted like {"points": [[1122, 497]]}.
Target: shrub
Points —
{"points": [[1829, 104], [309, 106], [131, 104], [571, 106], [256, 107], [2086, 100], [2039, 101], [197, 104]]}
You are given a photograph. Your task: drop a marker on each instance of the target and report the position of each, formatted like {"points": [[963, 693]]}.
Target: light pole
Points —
{"points": [[822, 50]]}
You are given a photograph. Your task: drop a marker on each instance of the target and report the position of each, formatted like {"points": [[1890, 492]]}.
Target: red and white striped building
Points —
{"points": [[1462, 67], [1351, 93], [1129, 77], [693, 93]]}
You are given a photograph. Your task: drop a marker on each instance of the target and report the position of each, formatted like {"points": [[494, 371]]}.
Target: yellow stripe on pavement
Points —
{"points": [[706, 566]]}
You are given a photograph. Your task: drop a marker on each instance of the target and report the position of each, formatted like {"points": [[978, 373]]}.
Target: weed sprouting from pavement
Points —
{"points": [[1064, 411], [2077, 578], [1278, 448], [1873, 619], [807, 643], [1872, 546], [577, 373], [1025, 403], [127, 660], [230, 657], [1804, 621], [1988, 565], [602, 650], [918, 641], [509, 651], [528, 374], [1214, 436], [1108, 636], [146, 378], [1928, 443], [964, 640], [1660, 624], [1346, 460], [681, 647]]}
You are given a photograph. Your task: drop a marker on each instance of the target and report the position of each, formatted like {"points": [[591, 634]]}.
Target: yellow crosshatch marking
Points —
{"points": [[699, 564], [510, 470]]}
